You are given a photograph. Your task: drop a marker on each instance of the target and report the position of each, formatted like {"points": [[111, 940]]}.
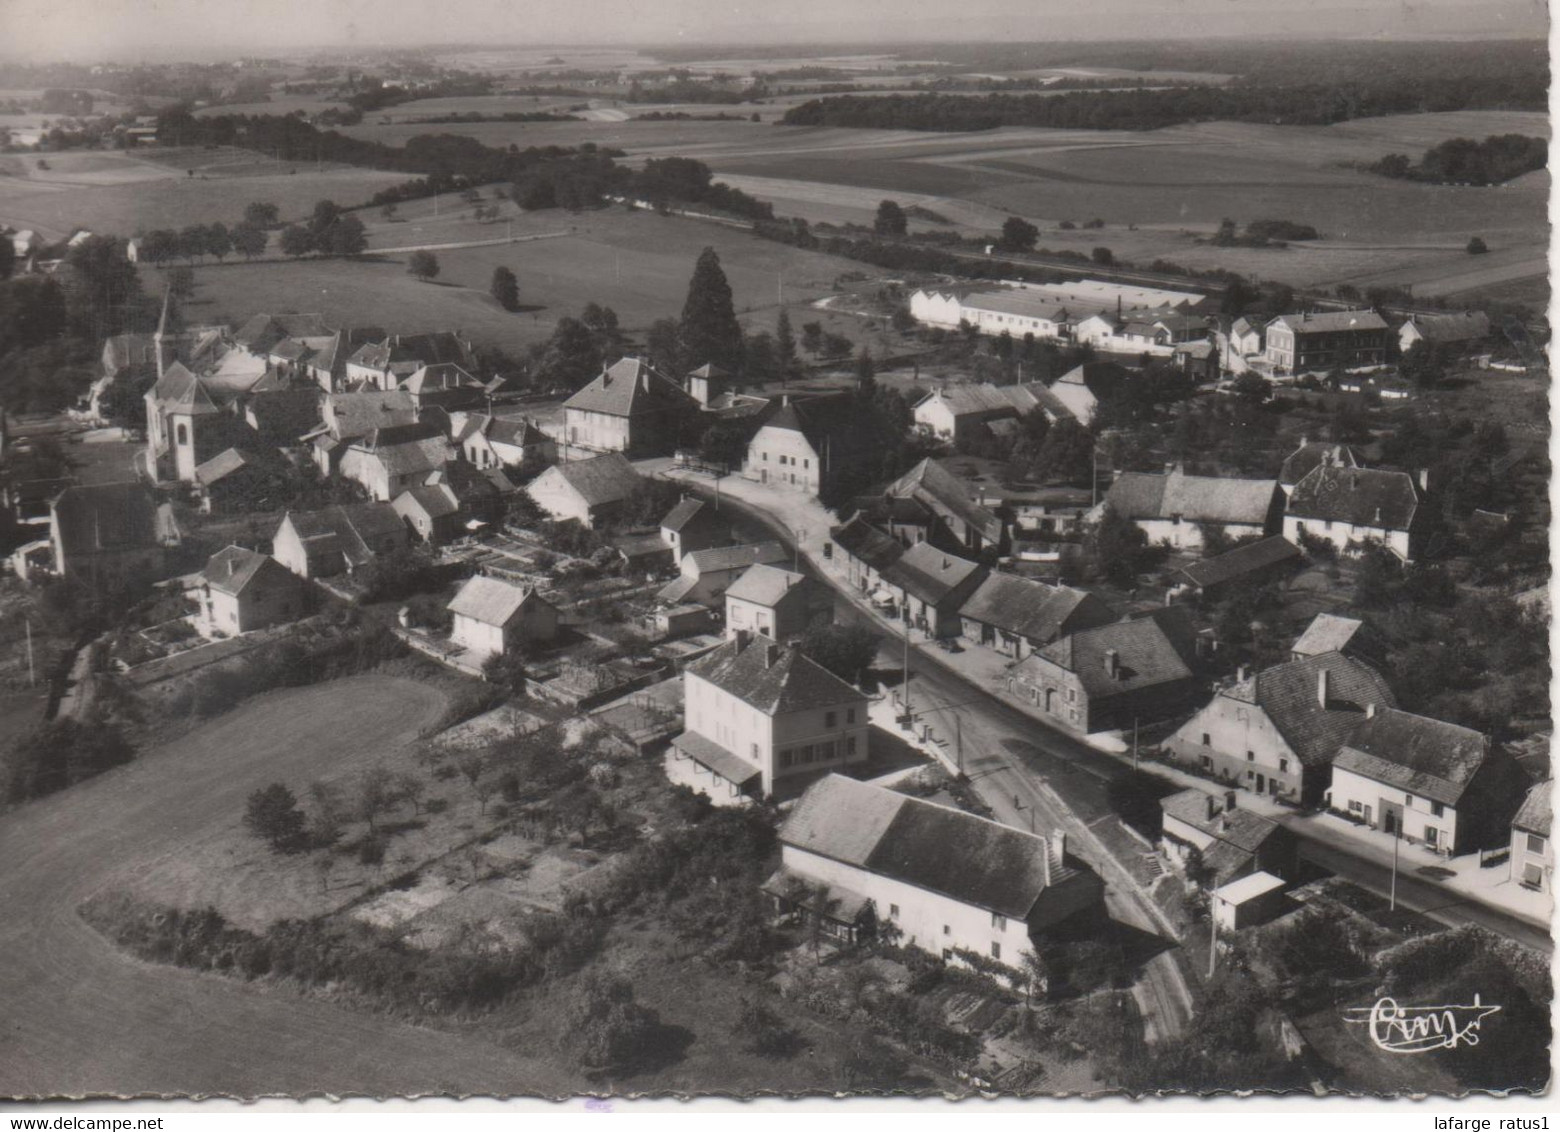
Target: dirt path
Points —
{"points": [[77, 1016]]}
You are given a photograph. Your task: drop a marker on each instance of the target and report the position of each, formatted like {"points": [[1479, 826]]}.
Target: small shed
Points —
{"points": [[1251, 900]]}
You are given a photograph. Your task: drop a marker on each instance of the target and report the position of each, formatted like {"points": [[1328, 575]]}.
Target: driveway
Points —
{"points": [[79, 1017]]}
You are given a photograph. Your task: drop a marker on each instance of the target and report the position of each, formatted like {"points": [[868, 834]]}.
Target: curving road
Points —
{"points": [[78, 1017]]}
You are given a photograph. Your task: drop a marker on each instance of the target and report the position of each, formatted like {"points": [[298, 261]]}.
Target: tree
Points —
{"points": [[890, 220], [424, 265], [570, 357], [505, 289], [1018, 235], [1477, 246], [61, 753], [1103, 256], [181, 282], [192, 242], [845, 650], [261, 215], [159, 246], [219, 241], [866, 368], [1422, 364], [708, 331], [376, 794], [662, 345], [785, 345], [249, 240], [296, 241], [612, 1031], [272, 814], [325, 214], [346, 236], [7, 258], [812, 337], [1116, 546]]}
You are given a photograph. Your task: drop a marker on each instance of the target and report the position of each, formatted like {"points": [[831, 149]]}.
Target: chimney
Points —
{"points": [[1321, 688], [1229, 800], [1370, 711], [1213, 807], [771, 654], [1112, 663], [1241, 673], [1354, 481], [742, 637], [1424, 479]]}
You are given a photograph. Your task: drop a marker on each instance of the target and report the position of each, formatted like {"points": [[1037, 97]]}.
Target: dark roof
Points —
{"points": [[1194, 499], [1535, 813], [283, 415], [231, 460], [360, 413], [1145, 655], [685, 512], [435, 500], [1428, 757], [969, 859], [1368, 497], [490, 601], [1464, 327], [1100, 378], [1242, 560], [1031, 609], [865, 543], [627, 387], [1309, 455], [263, 331], [711, 754], [933, 576], [601, 479], [772, 677], [933, 485], [412, 351], [106, 517], [346, 528], [822, 422], [1242, 828], [1330, 322], [231, 570], [1290, 696], [718, 558], [180, 391]]}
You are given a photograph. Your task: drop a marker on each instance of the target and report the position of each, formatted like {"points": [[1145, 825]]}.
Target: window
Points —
{"points": [[850, 745], [1251, 756], [184, 434], [1072, 695], [1251, 774], [850, 715], [1535, 843], [996, 950], [765, 456], [947, 931], [1283, 766], [806, 463], [1408, 800], [830, 719], [1437, 810], [1207, 763], [998, 922], [755, 752], [893, 911], [1205, 739], [786, 759], [1354, 806], [947, 954], [1430, 834]]}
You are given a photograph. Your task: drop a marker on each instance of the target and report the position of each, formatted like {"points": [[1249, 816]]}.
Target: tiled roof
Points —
{"points": [[489, 600], [359, 413], [932, 484], [228, 461], [180, 391], [734, 557], [629, 386], [1368, 497], [931, 575], [1309, 455], [1145, 657], [601, 479], [1100, 378], [284, 415], [764, 585], [683, 514], [234, 568], [1330, 322], [1535, 814], [1290, 695], [1031, 609], [263, 331], [439, 376], [1194, 499], [1428, 757], [1242, 828], [711, 754], [864, 542], [772, 677], [936, 848], [106, 517], [1327, 632], [435, 500], [410, 351], [984, 398], [1242, 560], [1464, 327], [346, 528]]}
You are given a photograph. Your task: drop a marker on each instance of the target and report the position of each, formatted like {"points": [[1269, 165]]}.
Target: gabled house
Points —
{"points": [[1464, 331], [1349, 507], [388, 461], [432, 511], [337, 540], [445, 385], [591, 491], [1211, 835], [1300, 463], [237, 479], [762, 719], [962, 412], [347, 417], [385, 364], [770, 602], [865, 861], [959, 523], [501, 442], [865, 550], [1015, 616], [1277, 732], [491, 617], [706, 575], [1318, 342], [241, 590], [1265, 560], [1081, 389], [693, 525], [1174, 508], [930, 586], [631, 408], [805, 445], [109, 534], [1532, 851], [1429, 782], [1109, 676]]}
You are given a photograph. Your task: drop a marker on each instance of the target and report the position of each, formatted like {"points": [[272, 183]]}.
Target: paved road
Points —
{"points": [[1416, 893], [78, 1017]]}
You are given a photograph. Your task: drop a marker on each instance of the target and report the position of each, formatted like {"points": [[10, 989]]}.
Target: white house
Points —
{"points": [[693, 525], [337, 540], [773, 603], [591, 491], [1349, 507], [1174, 508], [762, 718], [389, 461], [866, 861], [1532, 852], [491, 617], [241, 591], [1317, 342], [630, 407], [705, 575], [803, 446]]}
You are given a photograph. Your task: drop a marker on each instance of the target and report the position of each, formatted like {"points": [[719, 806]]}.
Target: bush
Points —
{"points": [[273, 815]]}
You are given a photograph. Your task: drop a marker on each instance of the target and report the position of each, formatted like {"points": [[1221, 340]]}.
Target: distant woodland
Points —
{"points": [[1463, 161]]}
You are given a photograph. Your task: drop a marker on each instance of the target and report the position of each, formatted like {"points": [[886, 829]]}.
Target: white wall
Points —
{"points": [[557, 497], [1352, 792], [604, 432], [478, 636], [1341, 535], [783, 456], [1233, 729]]}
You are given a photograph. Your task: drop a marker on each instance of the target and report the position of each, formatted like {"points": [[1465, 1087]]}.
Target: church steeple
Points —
{"points": [[160, 338]]}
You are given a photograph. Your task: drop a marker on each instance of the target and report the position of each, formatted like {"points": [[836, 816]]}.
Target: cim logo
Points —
{"points": [[1420, 1029]]}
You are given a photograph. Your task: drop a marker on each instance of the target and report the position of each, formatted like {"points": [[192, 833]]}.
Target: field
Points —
{"points": [[637, 263], [121, 193]]}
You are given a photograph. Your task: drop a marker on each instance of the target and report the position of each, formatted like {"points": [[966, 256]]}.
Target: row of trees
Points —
{"points": [[1463, 161]]}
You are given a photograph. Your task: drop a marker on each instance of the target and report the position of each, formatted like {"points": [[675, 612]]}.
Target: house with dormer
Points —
{"points": [[1353, 507]]}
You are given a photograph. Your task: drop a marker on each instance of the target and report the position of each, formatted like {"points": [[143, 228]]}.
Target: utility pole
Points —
{"points": [[1392, 903], [31, 674], [958, 741], [904, 683], [1213, 937], [1134, 744]]}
